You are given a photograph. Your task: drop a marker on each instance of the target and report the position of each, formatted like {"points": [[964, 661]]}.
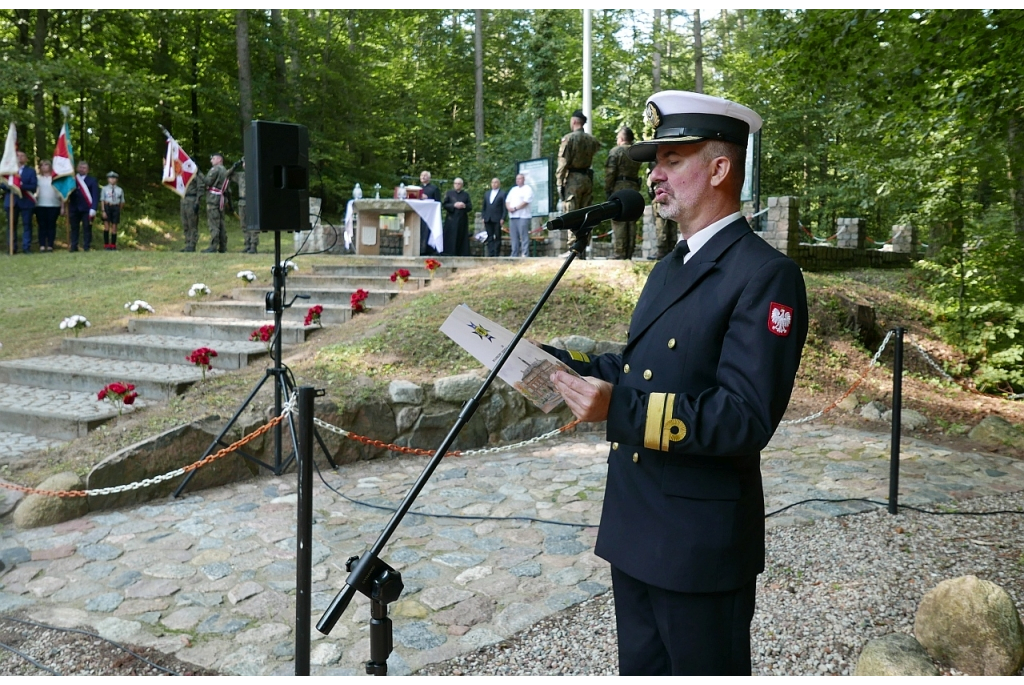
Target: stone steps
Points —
{"points": [[226, 309], [164, 349], [217, 329], [371, 283], [324, 295], [90, 374], [416, 270], [54, 414]]}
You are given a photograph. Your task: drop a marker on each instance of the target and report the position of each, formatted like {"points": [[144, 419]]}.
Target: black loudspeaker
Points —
{"points": [[276, 177]]}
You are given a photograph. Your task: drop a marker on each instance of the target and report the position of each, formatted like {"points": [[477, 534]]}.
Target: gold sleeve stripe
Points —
{"points": [[579, 356], [655, 420]]}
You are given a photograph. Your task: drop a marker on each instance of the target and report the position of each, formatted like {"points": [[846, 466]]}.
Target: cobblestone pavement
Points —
{"points": [[211, 577]]}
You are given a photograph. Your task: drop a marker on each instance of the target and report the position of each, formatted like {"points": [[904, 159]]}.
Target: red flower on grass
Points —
{"points": [[400, 277], [265, 334], [313, 315], [357, 300], [201, 358], [118, 394], [432, 266]]}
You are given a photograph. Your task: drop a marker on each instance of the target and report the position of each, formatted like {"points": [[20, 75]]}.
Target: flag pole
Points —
{"points": [[10, 230]]}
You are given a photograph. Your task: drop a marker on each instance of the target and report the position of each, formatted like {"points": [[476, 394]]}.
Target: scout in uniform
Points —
{"points": [[111, 201], [713, 349], [574, 177], [622, 173]]}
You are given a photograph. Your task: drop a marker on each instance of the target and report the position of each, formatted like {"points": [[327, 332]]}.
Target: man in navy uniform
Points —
{"points": [[713, 349]]}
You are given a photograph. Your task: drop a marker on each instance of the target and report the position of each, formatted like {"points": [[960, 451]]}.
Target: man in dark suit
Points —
{"points": [[494, 217], [25, 203], [713, 349], [429, 192], [82, 204]]}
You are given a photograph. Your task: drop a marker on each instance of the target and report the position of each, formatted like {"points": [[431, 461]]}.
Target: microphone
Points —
{"points": [[624, 205]]}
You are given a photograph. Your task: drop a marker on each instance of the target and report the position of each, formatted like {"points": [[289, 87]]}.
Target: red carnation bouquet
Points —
{"points": [[265, 334], [357, 300], [313, 315], [118, 394], [401, 277], [432, 266], [201, 358]]}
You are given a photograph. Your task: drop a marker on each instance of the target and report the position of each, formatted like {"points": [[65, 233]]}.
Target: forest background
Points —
{"points": [[895, 116]]}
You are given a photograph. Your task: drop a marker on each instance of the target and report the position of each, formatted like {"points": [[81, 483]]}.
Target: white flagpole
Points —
{"points": [[587, 97]]}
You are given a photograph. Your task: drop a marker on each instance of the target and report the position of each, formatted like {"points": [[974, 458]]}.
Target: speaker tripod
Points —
{"points": [[284, 387]]}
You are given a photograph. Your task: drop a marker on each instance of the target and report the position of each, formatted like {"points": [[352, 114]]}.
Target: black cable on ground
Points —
{"points": [[462, 517], [88, 634], [902, 506], [29, 659]]}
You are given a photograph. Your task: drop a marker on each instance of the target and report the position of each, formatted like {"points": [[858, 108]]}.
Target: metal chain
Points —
{"points": [[963, 384], [822, 412], [148, 482]]}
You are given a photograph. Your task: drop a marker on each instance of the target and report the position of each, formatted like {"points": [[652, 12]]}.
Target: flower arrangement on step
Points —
{"points": [[401, 277], [313, 316], [201, 357], [198, 290], [118, 394], [247, 276], [357, 299], [288, 266], [75, 323], [265, 334], [140, 307], [432, 266]]}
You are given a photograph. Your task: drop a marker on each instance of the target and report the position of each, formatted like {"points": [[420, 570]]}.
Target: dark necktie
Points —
{"points": [[682, 249]]}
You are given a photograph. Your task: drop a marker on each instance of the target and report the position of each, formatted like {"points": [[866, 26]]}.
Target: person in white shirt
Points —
{"points": [[518, 203], [48, 207], [111, 200]]}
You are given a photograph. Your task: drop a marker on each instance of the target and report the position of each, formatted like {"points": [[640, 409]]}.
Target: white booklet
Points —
{"points": [[528, 369]]}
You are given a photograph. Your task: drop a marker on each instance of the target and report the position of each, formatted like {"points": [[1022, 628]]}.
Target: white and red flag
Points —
{"points": [[64, 164], [9, 167], [179, 169]]}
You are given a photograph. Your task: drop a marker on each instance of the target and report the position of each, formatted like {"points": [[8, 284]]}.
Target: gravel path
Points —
{"points": [[829, 587]]}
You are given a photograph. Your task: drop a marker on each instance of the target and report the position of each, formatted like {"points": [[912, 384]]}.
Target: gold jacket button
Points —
{"points": [[625, 369], [636, 458], [615, 445], [671, 343], [647, 375]]}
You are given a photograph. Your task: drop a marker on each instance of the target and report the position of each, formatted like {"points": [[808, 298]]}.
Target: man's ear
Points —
{"points": [[720, 168]]}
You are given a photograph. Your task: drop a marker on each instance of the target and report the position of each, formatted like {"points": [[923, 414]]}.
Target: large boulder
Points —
{"points": [[972, 625], [457, 389], [909, 419], [40, 510], [405, 392], [873, 410], [995, 431], [895, 654]]}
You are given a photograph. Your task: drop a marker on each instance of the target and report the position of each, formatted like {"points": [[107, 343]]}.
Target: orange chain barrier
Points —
{"points": [[191, 467], [422, 452]]}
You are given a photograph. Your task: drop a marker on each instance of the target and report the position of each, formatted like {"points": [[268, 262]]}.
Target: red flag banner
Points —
{"points": [[179, 169]]}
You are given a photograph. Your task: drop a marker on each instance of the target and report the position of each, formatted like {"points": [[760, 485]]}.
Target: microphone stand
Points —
{"points": [[373, 577]]}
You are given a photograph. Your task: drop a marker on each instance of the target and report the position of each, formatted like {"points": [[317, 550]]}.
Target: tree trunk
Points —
{"points": [[21, 18], [38, 50], [244, 65], [478, 100], [698, 55], [280, 76], [656, 52], [668, 46], [1015, 135], [538, 134]]}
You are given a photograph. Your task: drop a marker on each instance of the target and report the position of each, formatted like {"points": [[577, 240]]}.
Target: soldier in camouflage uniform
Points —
{"points": [[666, 231], [574, 177], [190, 211], [215, 187], [622, 173], [252, 237]]}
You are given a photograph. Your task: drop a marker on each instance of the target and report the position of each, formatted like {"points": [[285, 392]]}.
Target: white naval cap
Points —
{"points": [[679, 117]]}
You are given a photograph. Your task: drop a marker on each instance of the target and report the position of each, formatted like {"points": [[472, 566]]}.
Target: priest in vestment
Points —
{"points": [[456, 224]]}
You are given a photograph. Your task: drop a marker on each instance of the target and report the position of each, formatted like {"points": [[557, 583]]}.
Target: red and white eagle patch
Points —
{"points": [[780, 318]]}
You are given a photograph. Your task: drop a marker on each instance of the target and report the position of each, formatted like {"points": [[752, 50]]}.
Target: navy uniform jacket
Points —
{"points": [[77, 202], [703, 382], [29, 183]]}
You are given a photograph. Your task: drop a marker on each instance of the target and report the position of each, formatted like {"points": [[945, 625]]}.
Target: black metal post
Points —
{"points": [[304, 531], [278, 310], [897, 406]]}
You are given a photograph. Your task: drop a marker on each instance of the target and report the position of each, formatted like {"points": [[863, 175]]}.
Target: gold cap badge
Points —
{"points": [[653, 115]]}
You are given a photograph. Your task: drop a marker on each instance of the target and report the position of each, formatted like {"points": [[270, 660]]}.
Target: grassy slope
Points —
{"points": [[402, 341]]}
